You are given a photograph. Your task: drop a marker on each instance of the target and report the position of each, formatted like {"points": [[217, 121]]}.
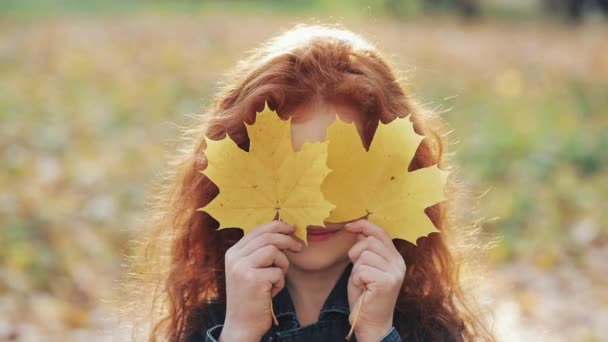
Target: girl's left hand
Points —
{"points": [[379, 267]]}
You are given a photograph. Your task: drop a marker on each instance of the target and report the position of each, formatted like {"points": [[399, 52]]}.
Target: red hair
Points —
{"points": [[179, 261]]}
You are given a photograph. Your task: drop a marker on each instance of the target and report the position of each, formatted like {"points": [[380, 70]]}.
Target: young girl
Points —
{"points": [[216, 285]]}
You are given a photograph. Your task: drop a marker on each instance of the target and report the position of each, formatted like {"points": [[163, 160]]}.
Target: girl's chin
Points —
{"points": [[314, 261]]}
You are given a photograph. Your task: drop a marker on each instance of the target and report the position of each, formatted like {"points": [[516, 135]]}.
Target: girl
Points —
{"points": [[216, 285]]}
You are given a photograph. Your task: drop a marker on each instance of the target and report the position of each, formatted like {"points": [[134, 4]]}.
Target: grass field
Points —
{"points": [[90, 105]]}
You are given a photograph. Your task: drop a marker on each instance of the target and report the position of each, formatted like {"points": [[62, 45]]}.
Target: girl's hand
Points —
{"points": [[377, 266], [255, 272]]}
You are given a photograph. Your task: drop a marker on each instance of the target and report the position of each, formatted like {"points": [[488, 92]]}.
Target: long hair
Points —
{"points": [[178, 260]]}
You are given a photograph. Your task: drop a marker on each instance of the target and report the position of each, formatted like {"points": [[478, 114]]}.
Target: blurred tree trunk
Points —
{"points": [[574, 10], [469, 9]]}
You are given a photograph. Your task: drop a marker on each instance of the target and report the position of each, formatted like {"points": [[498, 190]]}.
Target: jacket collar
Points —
{"points": [[337, 301]]}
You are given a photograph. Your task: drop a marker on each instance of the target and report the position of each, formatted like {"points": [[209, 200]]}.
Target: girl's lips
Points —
{"points": [[315, 230], [317, 233]]}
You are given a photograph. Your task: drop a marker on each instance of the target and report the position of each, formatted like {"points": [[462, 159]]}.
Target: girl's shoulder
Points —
{"points": [[431, 330], [212, 312], [208, 315], [436, 333]]}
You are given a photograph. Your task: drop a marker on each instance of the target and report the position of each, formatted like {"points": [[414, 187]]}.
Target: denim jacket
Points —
{"points": [[333, 324]]}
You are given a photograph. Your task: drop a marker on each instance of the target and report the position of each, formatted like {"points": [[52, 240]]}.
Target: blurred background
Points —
{"points": [[92, 94]]}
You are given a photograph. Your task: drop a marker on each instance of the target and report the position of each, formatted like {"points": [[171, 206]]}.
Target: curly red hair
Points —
{"points": [[179, 261]]}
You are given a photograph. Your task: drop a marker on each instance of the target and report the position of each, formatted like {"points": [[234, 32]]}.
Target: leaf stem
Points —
{"points": [[352, 328], [274, 318]]}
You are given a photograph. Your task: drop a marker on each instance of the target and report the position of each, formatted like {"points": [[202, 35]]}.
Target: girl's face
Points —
{"points": [[310, 123]]}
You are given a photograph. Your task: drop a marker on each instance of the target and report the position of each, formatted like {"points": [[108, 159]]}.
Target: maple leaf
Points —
{"points": [[271, 178], [377, 183]]}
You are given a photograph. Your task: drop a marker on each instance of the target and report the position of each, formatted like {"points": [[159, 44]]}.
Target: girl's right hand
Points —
{"points": [[255, 273]]}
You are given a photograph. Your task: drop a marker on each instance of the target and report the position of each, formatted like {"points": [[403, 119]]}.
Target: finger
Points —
{"points": [[281, 261], [278, 287], [372, 259], [281, 241], [268, 256], [366, 275], [369, 228], [274, 226], [273, 276], [369, 243]]}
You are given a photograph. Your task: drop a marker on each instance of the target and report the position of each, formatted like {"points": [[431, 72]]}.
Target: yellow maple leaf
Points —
{"points": [[271, 178], [377, 183]]}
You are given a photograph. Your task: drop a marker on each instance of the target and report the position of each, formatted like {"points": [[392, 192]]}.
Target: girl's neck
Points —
{"points": [[309, 289]]}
